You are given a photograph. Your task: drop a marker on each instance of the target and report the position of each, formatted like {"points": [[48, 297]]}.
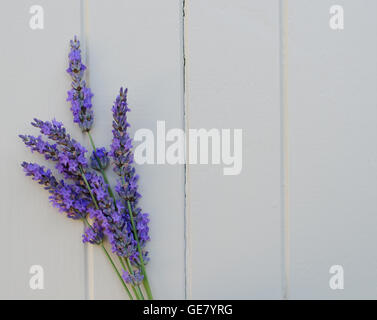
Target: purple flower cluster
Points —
{"points": [[99, 159], [93, 234], [74, 199], [80, 95], [122, 155]]}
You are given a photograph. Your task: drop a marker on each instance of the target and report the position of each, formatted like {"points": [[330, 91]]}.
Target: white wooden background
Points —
{"points": [[304, 95]]}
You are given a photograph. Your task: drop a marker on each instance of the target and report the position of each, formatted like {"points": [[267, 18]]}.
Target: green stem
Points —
{"points": [[117, 272], [91, 141], [146, 282]]}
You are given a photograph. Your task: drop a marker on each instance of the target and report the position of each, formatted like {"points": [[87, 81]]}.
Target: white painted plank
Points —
{"points": [[34, 84], [332, 81], [138, 44], [233, 82]]}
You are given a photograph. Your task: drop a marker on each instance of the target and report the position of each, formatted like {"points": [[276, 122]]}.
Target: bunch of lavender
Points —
{"points": [[85, 195]]}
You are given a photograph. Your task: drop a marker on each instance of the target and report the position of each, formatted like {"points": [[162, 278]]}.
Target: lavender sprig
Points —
{"points": [[121, 147], [67, 198], [71, 156], [122, 155], [80, 95], [37, 144], [123, 158]]}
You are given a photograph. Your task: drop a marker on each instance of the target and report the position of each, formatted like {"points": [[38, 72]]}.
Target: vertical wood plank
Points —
{"points": [[332, 81], [138, 44], [233, 82], [34, 84]]}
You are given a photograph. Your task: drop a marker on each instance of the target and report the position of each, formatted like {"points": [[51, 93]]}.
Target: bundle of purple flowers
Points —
{"points": [[88, 196]]}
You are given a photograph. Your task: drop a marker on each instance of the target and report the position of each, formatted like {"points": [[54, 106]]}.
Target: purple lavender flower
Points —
{"points": [[41, 175], [37, 144], [122, 155], [141, 221], [134, 279], [71, 155], [67, 198], [70, 199], [99, 159], [80, 95], [127, 189], [93, 234], [121, 147]]}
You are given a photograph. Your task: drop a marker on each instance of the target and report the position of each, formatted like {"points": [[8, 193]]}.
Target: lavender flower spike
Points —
{"points": [[80, 95], [69, 199], [37, 144], [71, 154], [122, 155], [121, 147], [62, 196]]}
